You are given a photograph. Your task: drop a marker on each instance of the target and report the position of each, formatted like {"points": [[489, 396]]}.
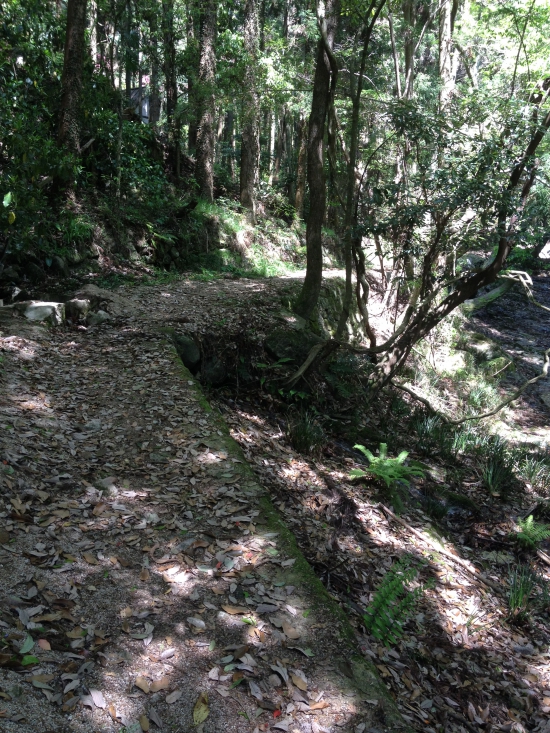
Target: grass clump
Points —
{"points": [[305, 434], [536, 472], [393, 602], [522, 584], [531, 533]]}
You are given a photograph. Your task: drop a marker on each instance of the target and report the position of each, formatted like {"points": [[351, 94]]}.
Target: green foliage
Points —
{"points": [[305, 433], [536, 472], [388, 470], [531, 533], [393, 472], [497, 469], [394, 602], [520, 595]]}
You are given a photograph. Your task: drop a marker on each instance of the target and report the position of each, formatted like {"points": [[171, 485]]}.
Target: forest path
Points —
{"points": [[145, 580]]}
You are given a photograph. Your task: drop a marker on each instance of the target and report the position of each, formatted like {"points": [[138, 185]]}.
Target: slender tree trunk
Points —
{"points": [[229, 142], [204, 168], [154, 97], [446, 79], [172, 120], [192, 74], [309, 296], [279, 147], [301, 167], [128, 55], [351, 208], [272, 129], [250, 139], [71, 81], [408, 17]]}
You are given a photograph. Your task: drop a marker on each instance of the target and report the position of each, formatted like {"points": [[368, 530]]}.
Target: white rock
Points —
{"points": [[35, 310], [95, 319]]}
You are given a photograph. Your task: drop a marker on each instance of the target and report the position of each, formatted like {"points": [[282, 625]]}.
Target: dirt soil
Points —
{"points": [[130, 525]]}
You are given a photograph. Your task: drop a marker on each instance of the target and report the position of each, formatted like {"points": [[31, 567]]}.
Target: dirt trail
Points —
{"points": [[145, 581]]}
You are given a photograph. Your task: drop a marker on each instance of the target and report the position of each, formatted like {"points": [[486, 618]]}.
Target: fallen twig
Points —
{"points": [[463, 563]]}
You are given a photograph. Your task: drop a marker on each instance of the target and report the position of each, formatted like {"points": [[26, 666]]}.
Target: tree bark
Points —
{"points": [[154, 97], [172, 120], [204, 168], [192, 73], [250, 138], [309, 295], [71, 81], [446, 80], [229, 142], [301, 167]]}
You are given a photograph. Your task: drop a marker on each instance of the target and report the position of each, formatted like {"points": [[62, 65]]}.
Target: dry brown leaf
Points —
{"points": [[235, 609], [145, 574], [90, 559], [44, 644], [321, 705], [162, 684], [144, 722], [76, 633], [299, 682], [126, 612], [290, 631], [142, 683], [112, 711]]}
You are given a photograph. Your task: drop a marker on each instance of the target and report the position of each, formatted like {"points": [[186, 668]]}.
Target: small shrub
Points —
{"points": [[305, 434], [393, 602], [531, 533]]}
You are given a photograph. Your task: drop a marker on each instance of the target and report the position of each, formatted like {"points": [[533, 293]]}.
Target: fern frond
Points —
{"points": [[531, 532]]}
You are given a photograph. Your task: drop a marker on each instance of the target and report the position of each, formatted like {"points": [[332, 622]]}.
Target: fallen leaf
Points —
{"points": [[142, 683], [90, 559], [201, 711], [99, 700], [235, 609], [44, 644], [299, 682], [173, 696], [145, 574], [290, 631], [144, 722], [162, 684], [321, 705], [27, 644], [76, 633]]}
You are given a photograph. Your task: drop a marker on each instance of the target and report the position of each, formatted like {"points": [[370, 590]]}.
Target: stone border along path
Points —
{"points": [[142, 565]]}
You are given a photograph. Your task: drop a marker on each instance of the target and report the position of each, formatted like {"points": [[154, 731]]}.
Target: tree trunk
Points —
{"points": [[408, 18], [351, 207], [301, 167], [250, 139], [71, 82], [154, 95], [229, 143], [309, 296], [204, 168], [192, 73], [172, 120], [446, 79], [128, 61]]}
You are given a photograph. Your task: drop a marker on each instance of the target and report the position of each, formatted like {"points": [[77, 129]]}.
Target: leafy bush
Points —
{"points": [[393, 602], [535, 471], [531, 532]]}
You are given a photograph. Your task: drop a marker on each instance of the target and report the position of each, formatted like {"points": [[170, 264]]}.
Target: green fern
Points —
{"points": [[393, 603], [531, 532], [388, 470]]}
